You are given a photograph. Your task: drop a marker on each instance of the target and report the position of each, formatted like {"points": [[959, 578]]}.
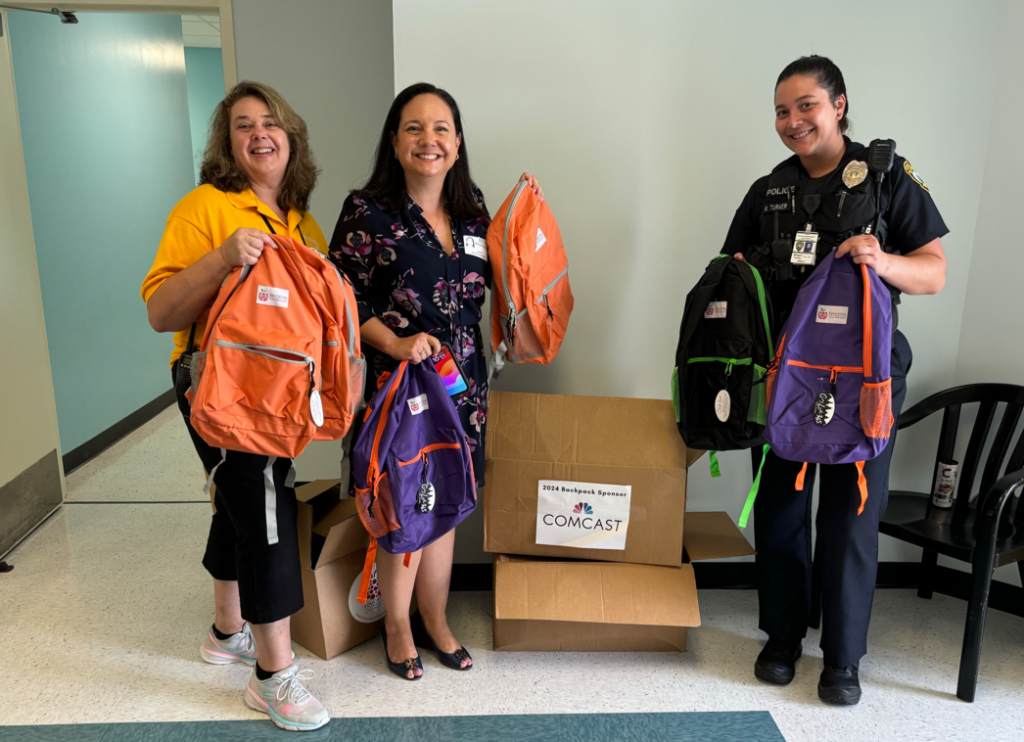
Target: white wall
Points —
{"points": [[29, 429], [991, 347], [646, 122], [333, 62]]}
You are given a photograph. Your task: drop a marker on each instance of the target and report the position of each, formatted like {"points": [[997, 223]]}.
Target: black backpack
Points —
{"points": [[725, 347]]}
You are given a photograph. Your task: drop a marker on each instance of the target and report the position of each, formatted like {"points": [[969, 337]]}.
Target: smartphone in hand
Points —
{"points": [[448, 368]]}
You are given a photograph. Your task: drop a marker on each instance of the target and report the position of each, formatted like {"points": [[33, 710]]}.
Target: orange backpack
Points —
{"points": [[280, 363], [531, 299]]}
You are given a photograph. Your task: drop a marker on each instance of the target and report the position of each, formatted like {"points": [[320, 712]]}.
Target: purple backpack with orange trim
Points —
{"points": [[414, 477], [830, 392]]}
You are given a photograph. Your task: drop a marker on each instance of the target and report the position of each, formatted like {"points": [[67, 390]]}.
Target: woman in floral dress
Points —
{"points": [[413, 243]]}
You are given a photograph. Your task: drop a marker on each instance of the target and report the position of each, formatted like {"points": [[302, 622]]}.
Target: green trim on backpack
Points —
{"points": [[752, 495], [713, 457], [764, 309], [675, 393]]}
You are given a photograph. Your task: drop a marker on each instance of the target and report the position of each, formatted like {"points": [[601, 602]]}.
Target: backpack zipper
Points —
{"points": [[427, 449], [262, 350], [385, 411], [835, 370], [729, 362], [510, 322], [544, 294]]}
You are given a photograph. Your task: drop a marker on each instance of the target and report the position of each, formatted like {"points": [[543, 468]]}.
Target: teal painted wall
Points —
{"points": [[105, 129], [204, 70]]}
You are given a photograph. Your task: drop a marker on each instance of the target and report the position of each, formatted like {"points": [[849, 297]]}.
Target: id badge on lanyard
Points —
{"points": [[805, 245], [805, 249]]}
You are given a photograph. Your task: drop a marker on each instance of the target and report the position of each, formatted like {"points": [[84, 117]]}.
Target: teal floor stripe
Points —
{"points": [[743, 726]]}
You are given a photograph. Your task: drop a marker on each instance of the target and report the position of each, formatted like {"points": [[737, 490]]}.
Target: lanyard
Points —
{"points": [[271, 228]]}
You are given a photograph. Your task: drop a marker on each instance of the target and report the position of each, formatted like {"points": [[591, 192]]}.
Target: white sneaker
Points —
{"points": [[238, 647], [286, 700]]}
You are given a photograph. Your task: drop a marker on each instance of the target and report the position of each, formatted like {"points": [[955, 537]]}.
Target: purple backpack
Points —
{"points": [[414, 476], [830, 392]]}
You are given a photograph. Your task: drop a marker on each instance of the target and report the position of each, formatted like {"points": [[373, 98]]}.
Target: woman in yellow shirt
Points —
{"points": [[257, 176]]}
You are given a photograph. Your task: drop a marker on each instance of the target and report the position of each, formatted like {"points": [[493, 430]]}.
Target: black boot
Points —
{"points": [[840, 685], [777, 661]]}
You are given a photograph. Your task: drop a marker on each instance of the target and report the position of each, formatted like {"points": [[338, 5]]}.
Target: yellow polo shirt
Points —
{"points": [[201, 222]]}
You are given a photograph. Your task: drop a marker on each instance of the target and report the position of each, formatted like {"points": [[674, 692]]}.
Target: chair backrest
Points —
{"points": [[1004, 454]]}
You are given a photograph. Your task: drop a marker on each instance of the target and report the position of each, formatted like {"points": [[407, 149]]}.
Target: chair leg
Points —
{"points": [[974, 631], [1020, 571], [929, 559]]}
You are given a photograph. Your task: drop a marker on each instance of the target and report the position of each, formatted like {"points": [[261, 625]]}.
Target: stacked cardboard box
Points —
{"points": [[332, 549], [603, 480]]}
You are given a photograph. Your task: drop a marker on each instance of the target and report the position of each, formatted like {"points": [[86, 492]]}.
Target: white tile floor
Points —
{"points": [[102, 618]]}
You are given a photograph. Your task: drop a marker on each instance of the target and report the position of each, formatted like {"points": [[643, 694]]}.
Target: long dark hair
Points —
{"points": [[829, 77], [219, 168], [386, 184]]}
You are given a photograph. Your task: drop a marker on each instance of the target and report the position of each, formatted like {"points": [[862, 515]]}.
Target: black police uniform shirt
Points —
{"points": [[909, 214], [402, 276]]}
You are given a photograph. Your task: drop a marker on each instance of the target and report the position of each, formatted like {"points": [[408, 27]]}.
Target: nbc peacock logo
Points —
{"points": [[582, 507]]}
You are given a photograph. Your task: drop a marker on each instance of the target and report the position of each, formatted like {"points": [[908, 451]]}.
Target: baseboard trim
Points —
{"points": [[742, 576], [100, 443], [28, 500]]}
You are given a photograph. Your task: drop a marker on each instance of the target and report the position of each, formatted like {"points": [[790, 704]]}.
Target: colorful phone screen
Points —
{"points": [[449, 371]]}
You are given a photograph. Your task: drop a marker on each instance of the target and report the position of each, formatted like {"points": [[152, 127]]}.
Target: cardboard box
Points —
{"points": [[572, 606], [332, 549], [593, 440]]}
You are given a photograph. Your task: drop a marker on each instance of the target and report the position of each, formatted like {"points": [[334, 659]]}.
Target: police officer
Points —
{"points": [[822, 198]]}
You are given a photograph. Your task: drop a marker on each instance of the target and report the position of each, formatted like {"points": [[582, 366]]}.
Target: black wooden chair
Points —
{"points": [[979, 529]]}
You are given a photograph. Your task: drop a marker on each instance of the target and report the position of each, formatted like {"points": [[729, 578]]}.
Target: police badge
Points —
{"points": [[854, 173]]}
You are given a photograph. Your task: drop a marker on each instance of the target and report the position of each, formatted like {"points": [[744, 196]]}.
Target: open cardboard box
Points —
{"points": [[573, 606], [332, 549], [602, 440]]}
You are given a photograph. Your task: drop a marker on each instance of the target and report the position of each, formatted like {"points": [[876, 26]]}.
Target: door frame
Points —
{"points": [[185, 7], [14, 186]]}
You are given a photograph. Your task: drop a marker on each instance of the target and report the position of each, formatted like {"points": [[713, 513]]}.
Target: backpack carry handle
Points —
{"points": [[868, 340]]}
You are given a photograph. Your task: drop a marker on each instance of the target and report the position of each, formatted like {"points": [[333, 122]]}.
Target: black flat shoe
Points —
{"points": [[422, 639], [777, 661], [401, 669], [840, 685]]}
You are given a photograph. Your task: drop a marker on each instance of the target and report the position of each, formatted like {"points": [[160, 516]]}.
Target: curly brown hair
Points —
{"points": [[219, 168]]}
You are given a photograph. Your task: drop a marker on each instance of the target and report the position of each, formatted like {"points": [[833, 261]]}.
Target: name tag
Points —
{"points": [[805, 249], [475, 246]]}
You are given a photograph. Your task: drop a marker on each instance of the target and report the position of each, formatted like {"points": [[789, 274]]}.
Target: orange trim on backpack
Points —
{"points": [[385, 413], [862, 484], [428, 449], [408, 558], [364, 583], [868, 340], [833, 369], [800, 478]]}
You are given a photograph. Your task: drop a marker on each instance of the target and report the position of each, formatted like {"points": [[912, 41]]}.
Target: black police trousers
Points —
{"points": [[846, 551], [254, 530]]}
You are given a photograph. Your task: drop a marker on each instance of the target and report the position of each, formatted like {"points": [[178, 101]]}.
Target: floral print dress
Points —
{"points": [[402, 276]]}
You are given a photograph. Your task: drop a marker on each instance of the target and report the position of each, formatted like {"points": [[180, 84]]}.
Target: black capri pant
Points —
{"points": [[253, 534]]}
